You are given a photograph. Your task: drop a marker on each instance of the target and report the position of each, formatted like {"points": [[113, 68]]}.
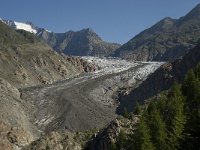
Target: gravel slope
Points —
{"points": [[87, 101]]}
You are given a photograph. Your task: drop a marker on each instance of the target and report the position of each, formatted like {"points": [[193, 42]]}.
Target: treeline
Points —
{"points": [[170, 122]]}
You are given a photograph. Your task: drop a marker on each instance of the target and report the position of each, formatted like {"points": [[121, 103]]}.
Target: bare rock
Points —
{"points": [[7, 88], [55, 141]]}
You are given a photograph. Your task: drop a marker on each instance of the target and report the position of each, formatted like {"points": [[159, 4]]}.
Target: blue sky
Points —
{"points": [[114, 20]]}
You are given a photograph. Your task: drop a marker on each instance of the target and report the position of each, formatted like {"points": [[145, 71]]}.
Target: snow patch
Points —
{"points": [[48, 31], [25, 27]]}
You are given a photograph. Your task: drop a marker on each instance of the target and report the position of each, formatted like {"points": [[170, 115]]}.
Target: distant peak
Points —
{"points": [[194, 12], [197, 6], [165, 23], [89, 30], [168, 19]]}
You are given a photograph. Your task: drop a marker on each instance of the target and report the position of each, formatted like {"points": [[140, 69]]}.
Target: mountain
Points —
{"points": [[166, 40], [119, 130], [26, 61], [29, 27], [81, 43], [162, 79]]}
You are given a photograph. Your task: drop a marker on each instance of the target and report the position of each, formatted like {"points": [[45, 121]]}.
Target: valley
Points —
{"points": [[72, 90], [85, 102]]}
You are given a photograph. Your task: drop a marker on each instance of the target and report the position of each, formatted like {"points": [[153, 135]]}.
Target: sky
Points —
{"points": [[113, 20]]}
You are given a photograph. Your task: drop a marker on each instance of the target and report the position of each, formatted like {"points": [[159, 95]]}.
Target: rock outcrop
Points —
{"points": [[104, 139], [15, 128], [55, 141]]}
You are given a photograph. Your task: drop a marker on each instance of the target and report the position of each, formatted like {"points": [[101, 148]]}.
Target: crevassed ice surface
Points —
{"points": [[115, 65]]}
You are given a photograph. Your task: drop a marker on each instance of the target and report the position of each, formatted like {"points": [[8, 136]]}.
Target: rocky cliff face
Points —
{"points": [[166, 40], [81, 43], [104, 139], [55, 141]]}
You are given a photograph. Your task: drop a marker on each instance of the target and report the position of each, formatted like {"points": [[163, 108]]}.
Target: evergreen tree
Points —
{"points": [[172, 121], [121, 142], [158, 130], [161, 104], [197, 71], [126, 113], [137, 109], [142, 139], [191, 89], [177, 119]]}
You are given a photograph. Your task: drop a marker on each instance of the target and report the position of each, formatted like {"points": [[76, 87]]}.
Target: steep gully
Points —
{"points": [[87, 101]]}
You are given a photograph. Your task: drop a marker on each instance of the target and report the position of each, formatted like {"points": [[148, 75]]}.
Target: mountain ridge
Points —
{"points": [[78, 43], [166, 40]]}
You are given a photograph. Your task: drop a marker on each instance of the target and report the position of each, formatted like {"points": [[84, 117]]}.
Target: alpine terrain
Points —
{"points": [[166, 40], [74, 91], [80, 43]]}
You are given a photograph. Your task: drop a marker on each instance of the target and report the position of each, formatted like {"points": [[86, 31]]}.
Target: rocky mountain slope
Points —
{"points": [[87, 102], [166, 40], [104, 139], [162, 79], [42, 91], [81, 43], [27, 61], [53, 101]]}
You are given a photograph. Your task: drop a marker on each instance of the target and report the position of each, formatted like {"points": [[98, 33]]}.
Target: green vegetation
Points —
{"points": [[9, 36], [83, 137], [126, 113], [170, 122], [143, 141], [137, 109]]}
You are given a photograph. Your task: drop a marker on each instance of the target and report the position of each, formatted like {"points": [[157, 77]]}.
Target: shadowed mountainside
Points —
{"points": [[162, 79]]}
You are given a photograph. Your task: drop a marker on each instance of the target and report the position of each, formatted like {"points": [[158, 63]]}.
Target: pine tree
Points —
{"points": [[126, 113], [191, 89], [161, 104], [197, 71], [142, 139], [189, 86], [177, 119], [137, 109], [121, 142], [158, 130]]}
